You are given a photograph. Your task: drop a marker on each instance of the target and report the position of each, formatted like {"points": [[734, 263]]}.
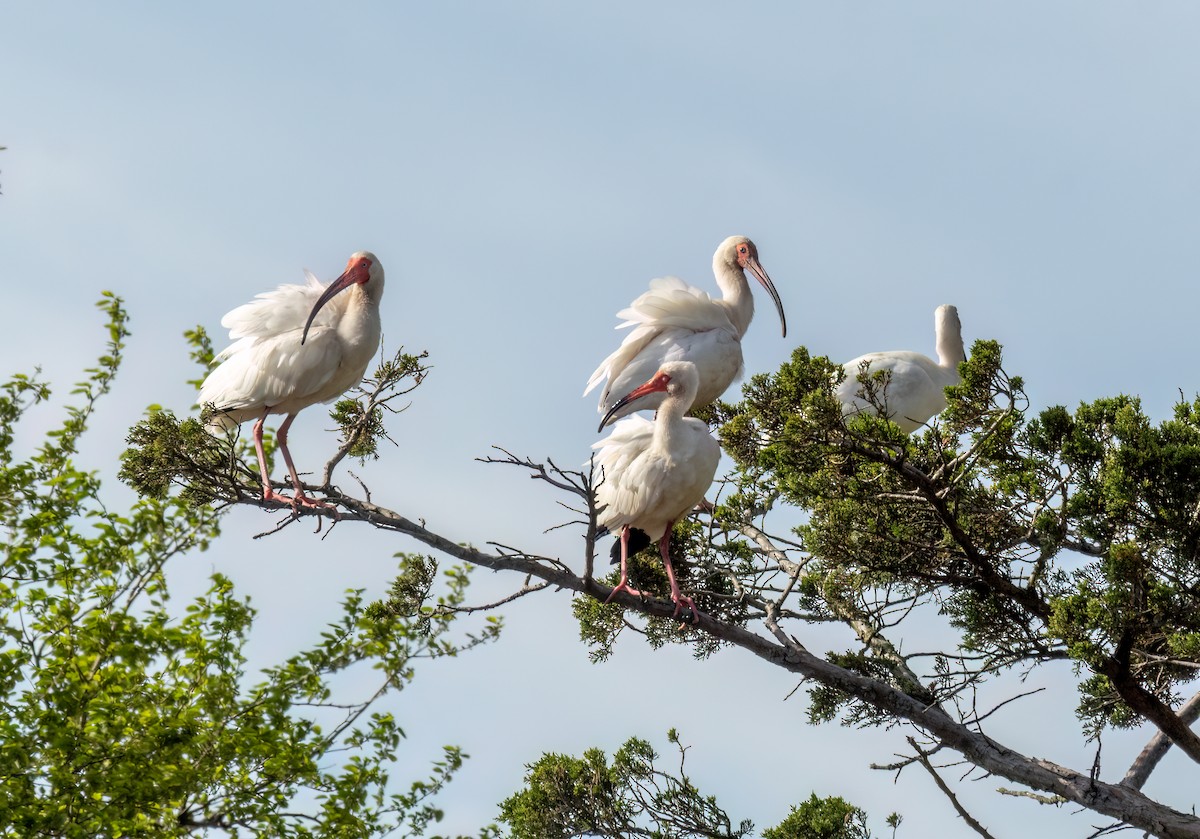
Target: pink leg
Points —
{"points": [[301, 498], [268, 493], [624, 584], [680, 600]]}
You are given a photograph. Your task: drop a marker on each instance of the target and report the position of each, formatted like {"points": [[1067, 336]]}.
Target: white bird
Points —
{"points": [[674, 321], [653, 473], [293, 347], [914, 387]]}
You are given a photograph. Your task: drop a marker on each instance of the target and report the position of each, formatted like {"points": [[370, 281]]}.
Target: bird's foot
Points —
{"points": [[297, 501], [686, 606], [302, 500], [271, 495], [622, 586]]}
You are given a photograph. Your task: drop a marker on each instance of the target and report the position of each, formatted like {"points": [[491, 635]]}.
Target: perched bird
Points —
{"points": [[915, 385], [653, 473], [674, 321], [293, 347]]}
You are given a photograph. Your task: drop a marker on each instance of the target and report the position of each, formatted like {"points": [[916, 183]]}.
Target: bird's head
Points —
{"points": [[367, 272], [678, 379], [364, 270], [738, 254]]}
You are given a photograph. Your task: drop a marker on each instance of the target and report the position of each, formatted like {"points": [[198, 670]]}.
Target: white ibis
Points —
{"points": [[915, 384], [652, 473], [293, 347], [674, 321]]}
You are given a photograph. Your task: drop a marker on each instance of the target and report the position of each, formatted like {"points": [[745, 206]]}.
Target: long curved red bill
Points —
{"points": [[356, 272]]}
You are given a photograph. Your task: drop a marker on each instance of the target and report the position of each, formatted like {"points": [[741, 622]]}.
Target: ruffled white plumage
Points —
{"points": [[293, 347], [646, 488], [276, 312], [651, 474], [256, 373], [648, 483], [674, 321], [266, 368]]}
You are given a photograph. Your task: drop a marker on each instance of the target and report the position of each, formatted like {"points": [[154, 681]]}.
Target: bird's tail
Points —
{"points": [[217, 421], [638, 541]]}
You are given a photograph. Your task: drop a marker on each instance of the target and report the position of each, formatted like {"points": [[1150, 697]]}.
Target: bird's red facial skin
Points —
{"points": [[745, 254], [658, 382], [359, 269]]}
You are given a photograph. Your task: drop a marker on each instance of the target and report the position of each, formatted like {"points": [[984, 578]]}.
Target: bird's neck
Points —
{"points": [[356, 326], [668, 422], [948, 333], [735, 296]]}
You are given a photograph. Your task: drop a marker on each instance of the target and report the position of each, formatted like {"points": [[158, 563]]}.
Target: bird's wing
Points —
{"points": [[914, 390], [265, 372], [903, 370], [627, 482], [670, 304], [276, 312], [628, 439], [716, 354]]}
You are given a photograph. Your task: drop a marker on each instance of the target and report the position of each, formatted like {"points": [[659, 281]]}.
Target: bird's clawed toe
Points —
{"points": [[271, 495], [686, 611], [299, 501], [302, 500], [622, 586]]}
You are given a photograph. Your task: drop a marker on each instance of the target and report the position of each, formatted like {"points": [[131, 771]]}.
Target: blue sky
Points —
{"points": [[522, 170]]}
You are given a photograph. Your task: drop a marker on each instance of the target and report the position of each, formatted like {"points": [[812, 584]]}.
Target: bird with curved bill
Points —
{"points": [[674, 321], [294, 347], [654, 473]]}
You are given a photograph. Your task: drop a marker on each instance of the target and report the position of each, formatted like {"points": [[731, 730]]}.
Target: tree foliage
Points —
{"points": [[126, 713], [822, 818], [629, 797], [1065, 536], [1029, 537]]}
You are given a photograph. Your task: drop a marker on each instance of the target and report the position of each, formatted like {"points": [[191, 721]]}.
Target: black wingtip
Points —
{"points": [[638, 541]]}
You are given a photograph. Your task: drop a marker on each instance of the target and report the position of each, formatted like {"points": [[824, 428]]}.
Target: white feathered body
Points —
{"points": [[673, 321], [653, 473], [266, 368], [915, 389]]}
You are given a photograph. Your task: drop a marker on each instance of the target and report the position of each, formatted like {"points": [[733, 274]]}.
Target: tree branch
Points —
{"points": [[1145, 763], [1119, 801], [923, 759], [1150, 706]]}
